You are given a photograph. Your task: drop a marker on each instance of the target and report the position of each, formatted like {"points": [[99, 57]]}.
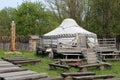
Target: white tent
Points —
{"points": [[70, 27]]}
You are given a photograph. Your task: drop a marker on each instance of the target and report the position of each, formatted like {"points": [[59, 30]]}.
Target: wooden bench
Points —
{"points": [[92, 77], [21, 60], [101, 66], [53, 78], [53, 66], [77, 74], [70, 61], [26, 61]]}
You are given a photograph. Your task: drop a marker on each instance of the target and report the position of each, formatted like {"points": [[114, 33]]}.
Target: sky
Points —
{"points": [[12, 3]]}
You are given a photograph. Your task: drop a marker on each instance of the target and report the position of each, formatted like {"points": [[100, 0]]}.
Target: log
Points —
{"points": [[11, 69], [17, 58], [56, 62], [101, 66], [26, 61], [77, 74], [53, 66], [92, 77], [27, 77], [53, 78]]}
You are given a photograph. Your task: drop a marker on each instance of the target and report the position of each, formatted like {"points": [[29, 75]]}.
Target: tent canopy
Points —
{"points": [[69, 26]]}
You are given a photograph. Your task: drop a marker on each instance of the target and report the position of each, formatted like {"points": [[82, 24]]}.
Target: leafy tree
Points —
{"points": [[33, 19], [102, 16], [67, 8]]}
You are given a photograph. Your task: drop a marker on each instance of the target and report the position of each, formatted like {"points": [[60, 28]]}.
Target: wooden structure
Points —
{"points": [[21, 60], [13, 36], [64, 63], [101, 66], [93, 77], [54, 66], [53, 78], [59, 65], [85, 76], [91, 56], [108, 50], [9, 71], [32, 42], [77, 74], [67, 54]]}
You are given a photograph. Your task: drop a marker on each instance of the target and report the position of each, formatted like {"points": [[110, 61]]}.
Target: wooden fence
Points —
{"points": [[22, 43]]}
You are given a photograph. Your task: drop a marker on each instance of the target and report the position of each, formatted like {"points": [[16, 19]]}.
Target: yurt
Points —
{"points": [[68, 31]]}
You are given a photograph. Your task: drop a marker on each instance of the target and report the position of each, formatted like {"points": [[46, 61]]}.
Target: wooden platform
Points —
{"points": [[22, 75], [21, 60], [9, 71]]}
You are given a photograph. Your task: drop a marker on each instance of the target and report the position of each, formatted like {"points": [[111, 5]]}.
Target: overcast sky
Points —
{"points": [[12, 3]]}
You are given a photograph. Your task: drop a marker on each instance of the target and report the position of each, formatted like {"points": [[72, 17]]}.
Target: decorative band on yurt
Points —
{"points": [[59, 36]]}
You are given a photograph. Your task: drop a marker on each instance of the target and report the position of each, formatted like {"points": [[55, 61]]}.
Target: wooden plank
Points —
{"points": [[53, 66], [53, 78], [70, 60], [113, 79], [77, 74], [19, 73], [7, 65], [26, 61], [17, 59], [110, 54], [100, 66], [92, 77], [71, 54], [11, 69], [28, 77], [4, 62]]}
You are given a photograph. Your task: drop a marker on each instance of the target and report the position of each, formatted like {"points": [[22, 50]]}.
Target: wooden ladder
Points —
{"points": [[91, 56]]}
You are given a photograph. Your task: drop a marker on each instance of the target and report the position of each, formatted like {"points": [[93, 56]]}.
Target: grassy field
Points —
{"points": [[44, 68]]}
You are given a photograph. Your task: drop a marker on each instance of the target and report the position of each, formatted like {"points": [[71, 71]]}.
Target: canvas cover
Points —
{"points": [[69, 27]]}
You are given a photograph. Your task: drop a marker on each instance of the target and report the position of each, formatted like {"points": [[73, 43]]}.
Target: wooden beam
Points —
{"points": [[12, 36]]}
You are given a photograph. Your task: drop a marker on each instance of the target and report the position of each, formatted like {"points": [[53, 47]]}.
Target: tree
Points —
{"points": [[6, 15], [33, 19], [102, 16], [68, 9]]}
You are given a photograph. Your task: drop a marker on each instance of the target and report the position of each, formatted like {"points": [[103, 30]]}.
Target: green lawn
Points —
{"points": [[44, 68]]}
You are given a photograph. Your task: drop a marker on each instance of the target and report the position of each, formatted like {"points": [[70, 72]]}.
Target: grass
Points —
{"points": [[44, 68]]}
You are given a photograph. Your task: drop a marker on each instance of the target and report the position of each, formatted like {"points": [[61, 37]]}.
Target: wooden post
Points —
{"points": [[12, 36]]}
